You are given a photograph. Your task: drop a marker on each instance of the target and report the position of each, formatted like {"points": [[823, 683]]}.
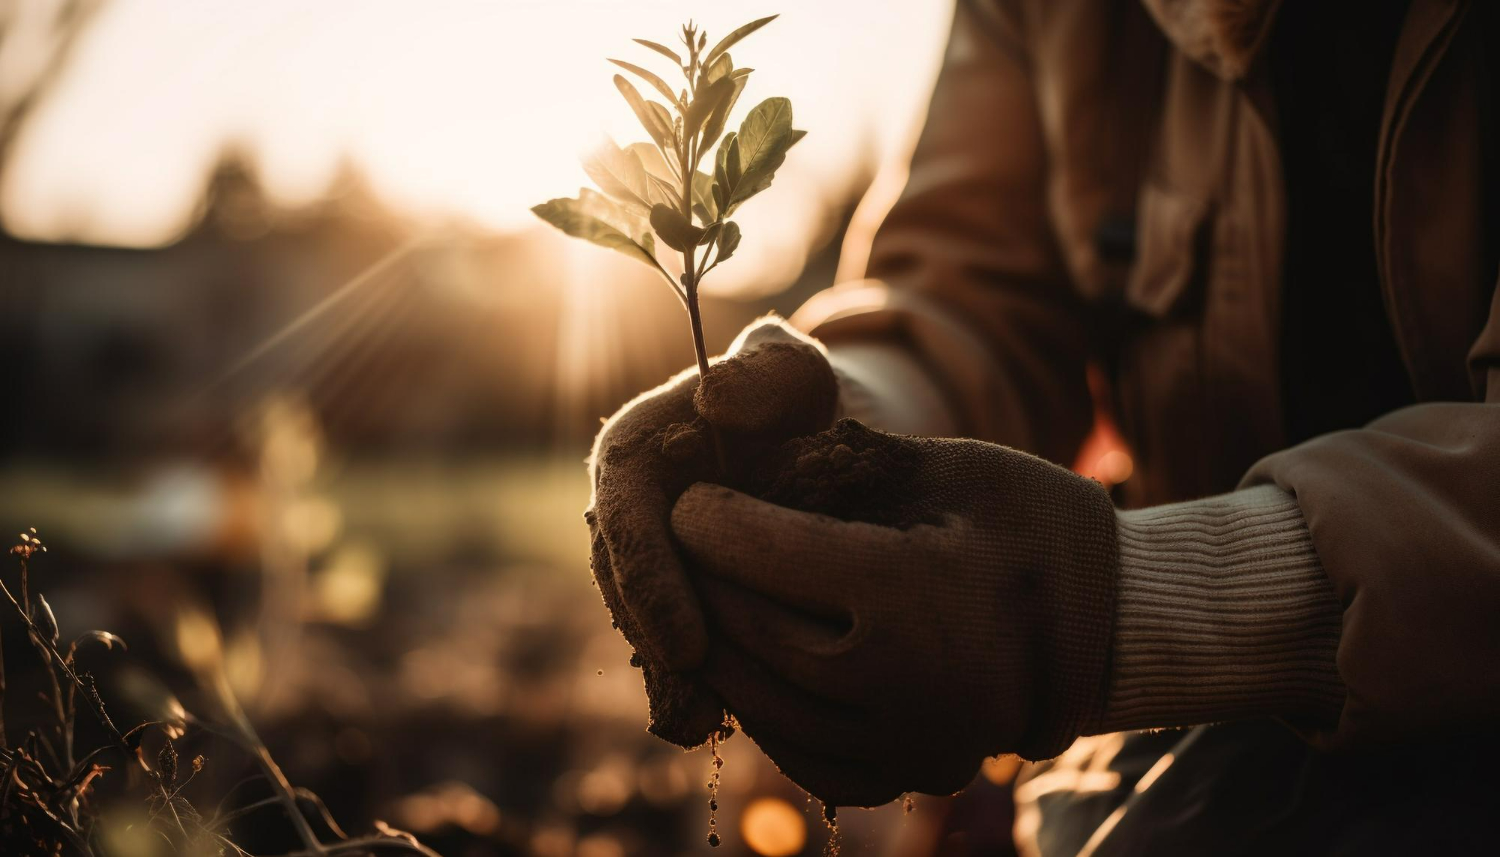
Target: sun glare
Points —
{"points": [[455, 110]]}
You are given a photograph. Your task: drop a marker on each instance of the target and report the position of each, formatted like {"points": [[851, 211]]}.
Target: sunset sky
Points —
{"points": [[467, 110]]}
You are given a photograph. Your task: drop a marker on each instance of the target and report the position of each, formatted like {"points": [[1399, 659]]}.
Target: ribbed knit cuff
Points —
{"points": [[1224, 613]]}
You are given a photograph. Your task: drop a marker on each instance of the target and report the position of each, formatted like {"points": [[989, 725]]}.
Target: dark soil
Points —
{"points": [[778, 390], [850, 472]]}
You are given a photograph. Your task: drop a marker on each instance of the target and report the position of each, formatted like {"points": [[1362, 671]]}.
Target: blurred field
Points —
{"points": [[453, 672]]}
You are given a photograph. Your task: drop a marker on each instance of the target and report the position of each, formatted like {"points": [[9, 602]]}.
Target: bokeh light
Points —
{"points": [[773, 828]]}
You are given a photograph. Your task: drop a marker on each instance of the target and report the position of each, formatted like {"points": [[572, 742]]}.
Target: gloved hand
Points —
{"points": [[774, 384], [896, 609]]}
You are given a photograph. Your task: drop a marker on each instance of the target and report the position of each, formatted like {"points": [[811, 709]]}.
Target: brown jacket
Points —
{"points": [[1055, 121]]}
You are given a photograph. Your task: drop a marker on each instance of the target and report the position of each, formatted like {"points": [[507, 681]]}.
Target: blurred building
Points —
{"points": [[451, 342]]}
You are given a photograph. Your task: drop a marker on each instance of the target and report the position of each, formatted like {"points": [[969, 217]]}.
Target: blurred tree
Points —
{"points": [[37, 39]]}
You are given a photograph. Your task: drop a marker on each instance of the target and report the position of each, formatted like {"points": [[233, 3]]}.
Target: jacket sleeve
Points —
{"points": [[1405, 517], [965, 272]]}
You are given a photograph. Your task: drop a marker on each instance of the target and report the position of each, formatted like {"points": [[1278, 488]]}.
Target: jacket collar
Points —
{"points": [[1224, 36]]}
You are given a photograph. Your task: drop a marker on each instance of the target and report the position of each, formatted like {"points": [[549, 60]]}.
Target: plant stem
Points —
{"points": [[243, 733], [695, 318], [688, 166]]}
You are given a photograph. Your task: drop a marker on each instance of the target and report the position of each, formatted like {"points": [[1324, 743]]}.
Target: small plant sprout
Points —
{"points": [[655, 192]]}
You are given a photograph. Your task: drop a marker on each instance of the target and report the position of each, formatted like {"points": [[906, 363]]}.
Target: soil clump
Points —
{"points": [[850, 472]]}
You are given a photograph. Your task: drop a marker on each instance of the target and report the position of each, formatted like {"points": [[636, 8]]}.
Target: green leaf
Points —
{"points": [[674, 230], [710, 234], [715, 124], [620, 174], [664, 120], [734, 164], [722, 67], [763, 140], [704, 105], [661, 180], [747, 161], [589, 216], [652, 116], [644, 74], [729, 241], [661, 49], [651, 158], [718, 68], [634, 224], [765, 136], [722, 184], [721, 160], [664, 192], [703, 197], [729, 41]]}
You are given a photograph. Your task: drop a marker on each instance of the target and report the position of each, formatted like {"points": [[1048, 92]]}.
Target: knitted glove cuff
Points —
{"points": [[1077, 589], [1225, 613]]}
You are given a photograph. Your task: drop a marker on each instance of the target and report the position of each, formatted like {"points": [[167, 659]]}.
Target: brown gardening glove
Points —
{"points": [[773, 385], [939, 601]]}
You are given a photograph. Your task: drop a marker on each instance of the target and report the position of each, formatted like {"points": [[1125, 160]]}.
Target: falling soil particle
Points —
{"points": [[835, 839], [713, 789]]}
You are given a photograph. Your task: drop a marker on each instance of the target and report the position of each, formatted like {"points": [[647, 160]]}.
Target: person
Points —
{"points": [[1272, 229]]}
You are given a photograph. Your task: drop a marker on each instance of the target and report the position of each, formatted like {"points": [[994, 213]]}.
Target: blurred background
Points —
{"points": [[294, 378]]}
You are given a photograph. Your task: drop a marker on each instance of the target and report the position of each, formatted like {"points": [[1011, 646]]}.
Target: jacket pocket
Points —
{"points": [[1171, 235]]}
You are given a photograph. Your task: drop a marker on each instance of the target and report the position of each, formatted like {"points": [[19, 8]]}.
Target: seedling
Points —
{"points": [[654, 193]]}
